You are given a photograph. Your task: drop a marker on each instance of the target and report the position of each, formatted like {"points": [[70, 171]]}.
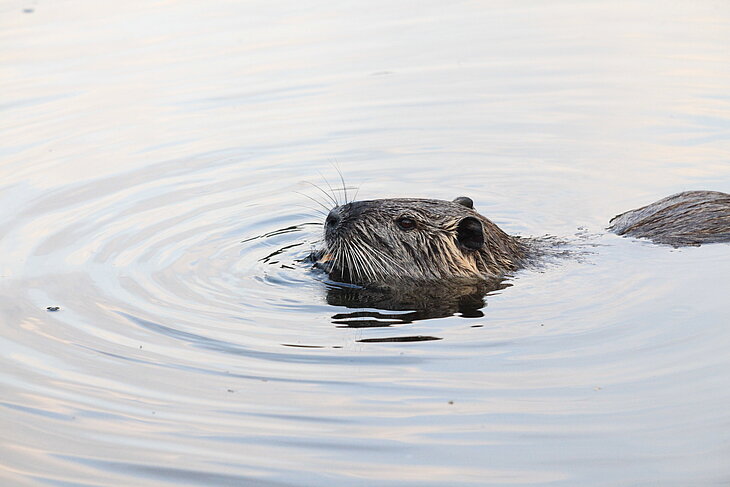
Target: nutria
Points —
{"points": [[377, 241], [689, 218], [391, 242]]}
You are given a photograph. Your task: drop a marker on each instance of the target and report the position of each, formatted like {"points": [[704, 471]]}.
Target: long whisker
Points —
{"points": [[357, 264], [372, 261], [331, 198], [367, 269], [347, 263], [312, 209], [334, 193], [362, 263], [316, 201], [381, 259], [339, 259], [344, 188]]}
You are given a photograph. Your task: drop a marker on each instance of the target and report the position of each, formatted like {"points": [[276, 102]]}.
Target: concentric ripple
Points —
{"points": [[160, 323], [191, 326]]}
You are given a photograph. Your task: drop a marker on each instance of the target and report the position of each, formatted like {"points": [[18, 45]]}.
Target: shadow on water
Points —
{"points": [[409, 302]]}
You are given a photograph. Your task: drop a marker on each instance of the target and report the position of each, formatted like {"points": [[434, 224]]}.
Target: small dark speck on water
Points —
{"points": [[53, 308], [451, 402], [28, 10], [231, 390], [477, 326]]}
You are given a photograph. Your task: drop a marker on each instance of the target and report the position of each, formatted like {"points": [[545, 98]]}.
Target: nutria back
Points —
{"points": [[688, 218]]}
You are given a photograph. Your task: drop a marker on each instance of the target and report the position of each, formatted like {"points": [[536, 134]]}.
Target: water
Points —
{"points": [[153, 151]]}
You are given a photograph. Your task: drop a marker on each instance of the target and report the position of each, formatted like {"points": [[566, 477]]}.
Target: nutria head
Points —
{"points": [[390, 240]]}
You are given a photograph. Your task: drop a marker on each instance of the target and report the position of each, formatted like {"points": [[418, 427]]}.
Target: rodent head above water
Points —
{"points": [[399, 239]]}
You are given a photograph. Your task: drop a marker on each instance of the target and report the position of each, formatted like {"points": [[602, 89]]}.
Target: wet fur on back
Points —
{"points": [[688, 218]]}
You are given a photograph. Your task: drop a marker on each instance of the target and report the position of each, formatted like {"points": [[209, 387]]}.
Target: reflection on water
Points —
{"points": [[418, 302], [153, 159]]}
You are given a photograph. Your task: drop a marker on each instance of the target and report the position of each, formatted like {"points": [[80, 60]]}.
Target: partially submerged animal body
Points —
{"points": [[409, 243], [683, 219], [408, 240]]}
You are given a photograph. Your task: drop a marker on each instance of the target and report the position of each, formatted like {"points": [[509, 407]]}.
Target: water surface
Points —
{"points": [[153, 162]]}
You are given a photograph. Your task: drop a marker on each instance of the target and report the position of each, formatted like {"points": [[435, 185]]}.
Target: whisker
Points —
{"points": [[344, 188], [312, 209], [334, 193], [331, 198], [338, 259], [385, 258], [316, 201], [364, 266], [372, 260], [356, 262], [362, 263], [381, 258], [347, 263]]}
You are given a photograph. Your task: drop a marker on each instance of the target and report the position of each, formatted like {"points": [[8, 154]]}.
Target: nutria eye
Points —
{"points": [[406, 223]]}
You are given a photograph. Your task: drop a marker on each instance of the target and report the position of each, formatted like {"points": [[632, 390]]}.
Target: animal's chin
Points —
{"points": [[324, 261]]}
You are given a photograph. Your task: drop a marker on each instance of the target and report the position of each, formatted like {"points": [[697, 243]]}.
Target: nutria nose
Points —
{"points": [[333, 218], [343, 214]]}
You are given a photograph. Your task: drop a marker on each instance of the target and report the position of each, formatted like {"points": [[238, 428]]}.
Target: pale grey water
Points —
{"points": [[144, 142]]}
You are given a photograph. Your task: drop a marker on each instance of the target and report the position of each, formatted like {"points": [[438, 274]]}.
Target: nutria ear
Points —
{"points": [[469, 233], [464, 201]]}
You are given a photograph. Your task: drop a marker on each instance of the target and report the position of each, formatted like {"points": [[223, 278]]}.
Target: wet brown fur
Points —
{"points": [[364, 243], [688, 218]]}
